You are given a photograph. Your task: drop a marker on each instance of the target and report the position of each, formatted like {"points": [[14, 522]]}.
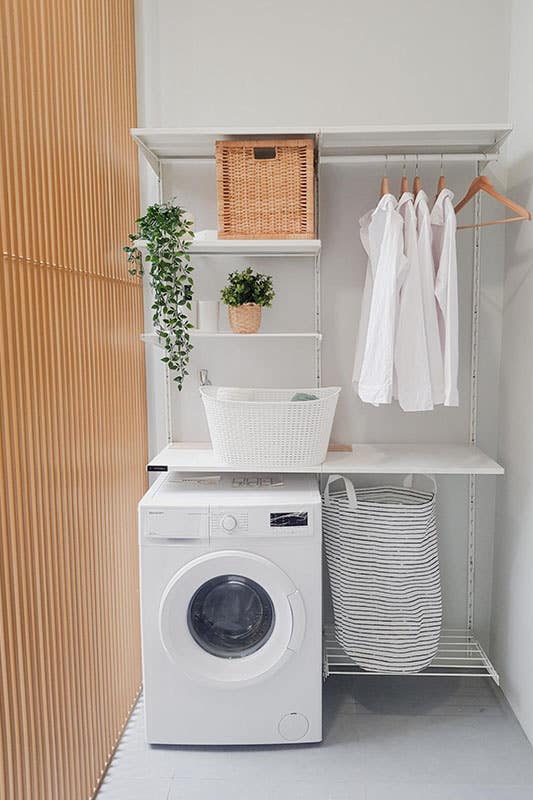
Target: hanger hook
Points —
{"points": [[386, 165], [416, 165], [404, 172], [442, 164]]}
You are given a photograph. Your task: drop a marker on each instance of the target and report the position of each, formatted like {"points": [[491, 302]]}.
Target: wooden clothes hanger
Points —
{"points": [[417, 183], [482, 184], [384, 181], [384, 186], [404, 186], [442, 179]]}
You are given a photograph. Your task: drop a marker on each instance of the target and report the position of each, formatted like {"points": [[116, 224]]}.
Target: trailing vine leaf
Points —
{"points": [[167, 231]]}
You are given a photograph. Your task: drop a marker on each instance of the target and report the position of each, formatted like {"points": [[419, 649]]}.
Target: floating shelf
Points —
{"points": [[151, 338], [160, 144], [252, 247], [419, 139], [440, 459], [171, 143], [256, 247], [229, 335], [459, 654], [436, 459]]}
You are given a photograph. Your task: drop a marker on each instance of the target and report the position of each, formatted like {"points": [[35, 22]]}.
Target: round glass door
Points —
{"points": [[231, 616]]}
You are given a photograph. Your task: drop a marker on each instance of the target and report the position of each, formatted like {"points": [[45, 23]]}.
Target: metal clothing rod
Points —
{"points": [[359, 159], [193, 160], [408, 157]]}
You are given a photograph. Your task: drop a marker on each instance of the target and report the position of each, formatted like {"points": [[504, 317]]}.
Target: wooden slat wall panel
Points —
{"points": [[69, 169], [72, 402]]}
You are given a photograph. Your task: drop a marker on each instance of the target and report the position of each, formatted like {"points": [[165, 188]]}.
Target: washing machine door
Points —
{"points": [[231, 617]]}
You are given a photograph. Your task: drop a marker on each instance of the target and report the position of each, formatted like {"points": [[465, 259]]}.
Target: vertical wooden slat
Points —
{"points": [[72, 402]]}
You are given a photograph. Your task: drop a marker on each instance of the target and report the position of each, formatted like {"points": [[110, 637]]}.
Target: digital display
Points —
{"points": [[291, 519]]}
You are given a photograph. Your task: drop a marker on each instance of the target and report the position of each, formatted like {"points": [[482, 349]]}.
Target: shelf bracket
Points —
{"points": [[149, 156]]}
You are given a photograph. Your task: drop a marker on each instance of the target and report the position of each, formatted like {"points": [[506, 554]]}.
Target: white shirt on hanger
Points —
{"points": [[382, 238], [427, 278], [413, 380], [444, 226]]}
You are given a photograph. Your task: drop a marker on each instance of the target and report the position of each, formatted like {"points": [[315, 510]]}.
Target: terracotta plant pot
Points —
{"points": [[245, 318]]}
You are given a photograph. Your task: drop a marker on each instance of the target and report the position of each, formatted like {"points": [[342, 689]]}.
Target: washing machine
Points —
{"points": [[231, 576]]}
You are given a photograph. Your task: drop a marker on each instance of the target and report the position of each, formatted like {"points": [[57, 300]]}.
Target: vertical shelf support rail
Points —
{"points": [[472, 481], [318, 344]]}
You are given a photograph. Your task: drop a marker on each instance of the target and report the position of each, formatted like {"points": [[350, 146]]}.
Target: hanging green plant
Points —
{"points": [[167, 233]]}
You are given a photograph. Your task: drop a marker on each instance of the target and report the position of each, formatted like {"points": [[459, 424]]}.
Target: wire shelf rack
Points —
{"points": [[459, 654]]}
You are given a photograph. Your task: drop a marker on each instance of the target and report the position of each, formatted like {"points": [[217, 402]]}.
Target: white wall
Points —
{"points": [[330, 62], [228, 64], [513, 573]]}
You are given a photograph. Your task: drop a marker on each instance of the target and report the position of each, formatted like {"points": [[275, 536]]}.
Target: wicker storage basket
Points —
{"points": [[266, 428], [245, 318], [265, 189]]}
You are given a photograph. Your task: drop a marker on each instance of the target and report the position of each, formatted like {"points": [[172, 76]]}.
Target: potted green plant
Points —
{"points": [[246, 294], [165, 231]]}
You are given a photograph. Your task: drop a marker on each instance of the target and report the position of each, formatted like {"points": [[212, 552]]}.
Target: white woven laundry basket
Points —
{"points": [[267, 427], [382, 554]]}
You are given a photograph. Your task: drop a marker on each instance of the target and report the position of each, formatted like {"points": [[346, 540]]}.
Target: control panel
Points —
{"points": [[229, 520], [260, 521]]}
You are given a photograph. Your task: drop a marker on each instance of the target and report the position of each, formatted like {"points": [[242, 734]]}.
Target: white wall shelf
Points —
{"points": [[161, 144], [459, 654], [152, 338], [437, 459], [419, 139], [275, 335], [172, 143], [252, 247]]}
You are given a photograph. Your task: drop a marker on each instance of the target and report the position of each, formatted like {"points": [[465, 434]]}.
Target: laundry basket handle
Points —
{"points": [[409, 480], [348, 486]]}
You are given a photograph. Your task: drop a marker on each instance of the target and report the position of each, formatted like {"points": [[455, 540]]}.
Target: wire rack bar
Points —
{"points": [[459, 654]]}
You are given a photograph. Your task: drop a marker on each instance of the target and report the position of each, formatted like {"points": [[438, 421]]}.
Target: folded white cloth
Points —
{"points": [[206, 236]]}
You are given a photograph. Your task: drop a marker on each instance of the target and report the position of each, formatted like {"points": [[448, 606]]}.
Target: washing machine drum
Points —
{"points": [[230, 617]]}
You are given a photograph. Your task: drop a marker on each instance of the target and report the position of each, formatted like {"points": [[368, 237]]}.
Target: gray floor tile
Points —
{"points": [[411, 697], [432, 791], [135, 789], [385, 739], [265, 790], [143, 763]]}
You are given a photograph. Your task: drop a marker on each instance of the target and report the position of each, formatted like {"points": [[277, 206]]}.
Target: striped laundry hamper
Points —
{"points": [[383, 562]]}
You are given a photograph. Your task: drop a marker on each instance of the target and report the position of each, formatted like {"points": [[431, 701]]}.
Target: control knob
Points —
{"points": [[229, 523]]}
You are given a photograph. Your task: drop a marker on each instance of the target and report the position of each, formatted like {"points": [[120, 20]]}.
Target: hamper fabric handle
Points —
{"points": [[348, 486], [409, 480]]}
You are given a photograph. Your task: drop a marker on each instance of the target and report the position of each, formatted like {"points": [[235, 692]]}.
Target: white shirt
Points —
{"points": [[413, 380], [427, 278], [444, 227], [382, 238]]}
